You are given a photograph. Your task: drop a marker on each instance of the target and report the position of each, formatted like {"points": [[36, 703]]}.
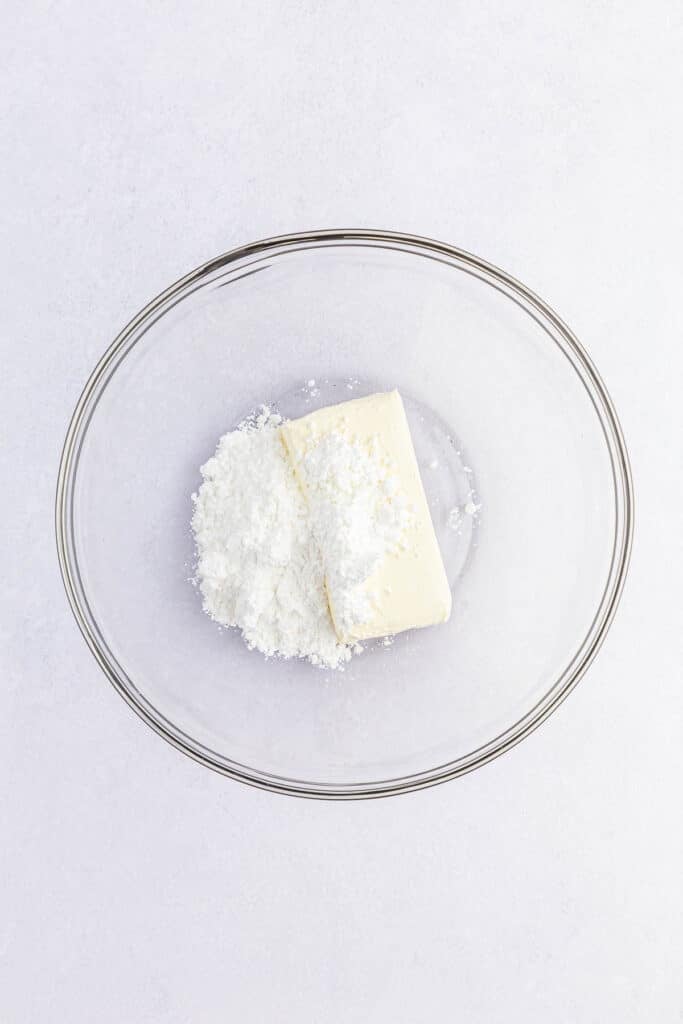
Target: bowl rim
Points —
{"points": [[558, 691]]}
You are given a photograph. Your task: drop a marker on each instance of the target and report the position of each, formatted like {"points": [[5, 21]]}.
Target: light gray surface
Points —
{"points": [[142, 139]]}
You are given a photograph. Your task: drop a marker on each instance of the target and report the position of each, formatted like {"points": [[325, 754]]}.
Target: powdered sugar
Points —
{"points": [[269, 557], [358, 515], [258, 565]]}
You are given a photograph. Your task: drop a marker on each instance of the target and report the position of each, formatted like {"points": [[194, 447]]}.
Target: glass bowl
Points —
{"points": [[524, 466]]}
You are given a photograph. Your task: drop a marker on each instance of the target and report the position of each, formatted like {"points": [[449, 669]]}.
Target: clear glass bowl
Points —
{"points": [[507, 413]]}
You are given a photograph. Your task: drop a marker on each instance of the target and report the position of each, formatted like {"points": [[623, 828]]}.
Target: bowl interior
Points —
{"points": [[496, 396]]}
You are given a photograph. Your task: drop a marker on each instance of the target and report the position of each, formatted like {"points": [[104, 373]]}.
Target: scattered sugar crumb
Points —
{"points": [[454, 518]]}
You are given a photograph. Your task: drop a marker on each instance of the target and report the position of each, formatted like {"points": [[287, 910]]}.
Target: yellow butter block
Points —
{"points": [[369, 439]]}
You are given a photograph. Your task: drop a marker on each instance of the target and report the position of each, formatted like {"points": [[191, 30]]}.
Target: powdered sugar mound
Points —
{"points": [[359, 516], [259, 565]]}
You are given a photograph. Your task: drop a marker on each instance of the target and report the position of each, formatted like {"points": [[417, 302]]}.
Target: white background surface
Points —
{"points": [[141, 139]]}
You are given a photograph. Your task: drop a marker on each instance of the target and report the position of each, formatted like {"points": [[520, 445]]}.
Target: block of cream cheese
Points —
{"points": [[356, 461]]}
